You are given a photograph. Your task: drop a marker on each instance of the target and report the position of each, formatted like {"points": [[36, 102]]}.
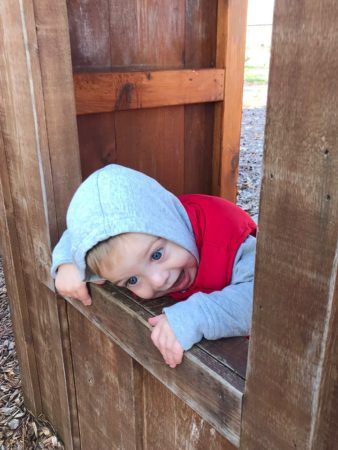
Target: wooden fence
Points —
{"points": [[93, 370]]}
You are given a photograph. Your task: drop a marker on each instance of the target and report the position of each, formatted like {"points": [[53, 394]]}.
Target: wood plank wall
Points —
{"points": [[175, 144], [41, 169], [38, 177], [291, 398]]}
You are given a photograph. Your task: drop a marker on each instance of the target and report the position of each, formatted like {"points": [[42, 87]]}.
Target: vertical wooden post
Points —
{"points": [[230, 55], [40, 170], [291, 398]]}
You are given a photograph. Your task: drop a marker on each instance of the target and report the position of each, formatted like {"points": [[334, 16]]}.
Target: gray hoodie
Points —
{"points": [[116, 200]]}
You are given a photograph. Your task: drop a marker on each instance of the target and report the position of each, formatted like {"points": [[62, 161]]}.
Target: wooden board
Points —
{"points": [[119, 36], [119, 91], [230, 54], [124, 404], [63, 172], [214, 391], [97, 141], [108, 383], [153, 141], [35, 131], [17, 292], [199, 52], [171, 424], [232, 352], [291, 390]]}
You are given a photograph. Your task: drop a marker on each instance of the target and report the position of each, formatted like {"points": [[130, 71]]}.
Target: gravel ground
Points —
{"points": [[251, 150], [18, 428]]}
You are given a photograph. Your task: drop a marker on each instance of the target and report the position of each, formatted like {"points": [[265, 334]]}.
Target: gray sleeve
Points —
{"points": [[219, 314], [62, 254]]}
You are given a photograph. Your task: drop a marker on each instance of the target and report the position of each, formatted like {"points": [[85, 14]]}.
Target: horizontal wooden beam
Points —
{"points": [[209, 387], [116, 91]]}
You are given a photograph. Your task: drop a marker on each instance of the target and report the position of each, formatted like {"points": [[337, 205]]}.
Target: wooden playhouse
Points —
{"points": [[157, 86]]}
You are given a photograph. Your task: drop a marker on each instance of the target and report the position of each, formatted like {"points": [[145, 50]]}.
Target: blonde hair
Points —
{"points": [[98, 254]]}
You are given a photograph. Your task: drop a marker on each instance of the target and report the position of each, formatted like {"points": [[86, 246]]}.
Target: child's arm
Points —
{"points": [[69, 284], [219, 314], [165, 340], [68, 281], [62, 253]]}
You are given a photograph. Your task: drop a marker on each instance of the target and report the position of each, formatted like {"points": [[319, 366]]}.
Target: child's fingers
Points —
{"points": [[83, 296], [153, 321], [171, 351], [174, 357]]}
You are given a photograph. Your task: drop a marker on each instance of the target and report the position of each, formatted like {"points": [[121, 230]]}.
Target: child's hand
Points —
{"points": [[69, 284], [165, 340]]}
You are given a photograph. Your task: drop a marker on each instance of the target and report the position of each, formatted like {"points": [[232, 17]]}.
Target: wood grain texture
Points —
{"points": [[111, 91], [199, 52], [24, 137], [16, 291], [34, 123], [230, 54], [171, 424], [147, 34], [231, 352], [58, 94], [213, 391], [89, 30], [200, 34], [107, 389], [152, 141], [97, 141], [291, 390]]}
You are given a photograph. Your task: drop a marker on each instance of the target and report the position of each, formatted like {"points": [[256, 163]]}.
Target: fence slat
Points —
{"points": [[230, 55], [291, 389], [118, 91]]}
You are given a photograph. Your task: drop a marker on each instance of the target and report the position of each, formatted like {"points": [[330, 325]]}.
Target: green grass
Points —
{"points": [[257, 55], [256, 74]]}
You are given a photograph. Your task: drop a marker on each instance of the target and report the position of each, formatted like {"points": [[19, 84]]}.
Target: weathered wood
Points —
{"points": [[171, 424], [156, 144], [108, 388], [97, 141], [34, 124], [89, 31], [230, 54], [199, 52], [147, 34], [24, 136], [232, 352], [57, 83], [111, 91], [185, 34], [213, 391], [291, 389], [16, 291]]}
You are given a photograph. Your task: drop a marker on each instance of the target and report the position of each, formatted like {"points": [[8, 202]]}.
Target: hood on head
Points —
{"points": [[115, 200]]}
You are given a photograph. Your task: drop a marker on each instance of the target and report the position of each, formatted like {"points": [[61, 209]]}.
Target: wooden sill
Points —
{"points": [[210, 379]]}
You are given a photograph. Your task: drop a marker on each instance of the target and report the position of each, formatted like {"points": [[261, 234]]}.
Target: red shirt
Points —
{"points": [[220, 227]]}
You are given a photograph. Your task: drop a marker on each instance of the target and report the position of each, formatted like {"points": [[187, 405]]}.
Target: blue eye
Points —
{"points": [[131, 281], [157, 255]]}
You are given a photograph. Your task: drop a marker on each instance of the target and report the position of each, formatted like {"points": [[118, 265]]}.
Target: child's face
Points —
{"points": [[150, 266]]}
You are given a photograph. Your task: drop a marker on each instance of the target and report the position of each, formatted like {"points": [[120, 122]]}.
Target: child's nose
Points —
{"points": [[159, 279]]}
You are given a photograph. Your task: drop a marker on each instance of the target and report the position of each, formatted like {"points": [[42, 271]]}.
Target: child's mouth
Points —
{"points": [[180, 282]]}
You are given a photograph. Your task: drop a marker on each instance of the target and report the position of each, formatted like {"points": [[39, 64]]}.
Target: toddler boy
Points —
{"points": [[124, 227]]}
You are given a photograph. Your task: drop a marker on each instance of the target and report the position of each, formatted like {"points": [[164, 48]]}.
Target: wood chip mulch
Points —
{"points": [[19, 429]]}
